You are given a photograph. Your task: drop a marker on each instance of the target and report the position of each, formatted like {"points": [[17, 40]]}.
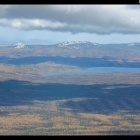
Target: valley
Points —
{"points": [[71, 88]]}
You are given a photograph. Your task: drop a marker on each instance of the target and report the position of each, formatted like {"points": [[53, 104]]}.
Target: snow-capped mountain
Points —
{"points": [[20, 46], [78, 44], [131, 44]]}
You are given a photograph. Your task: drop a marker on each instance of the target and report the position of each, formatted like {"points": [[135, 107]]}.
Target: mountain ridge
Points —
{"points": [[76, 42]]}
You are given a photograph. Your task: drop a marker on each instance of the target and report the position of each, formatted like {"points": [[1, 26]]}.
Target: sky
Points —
{"points": [[51, 24]]}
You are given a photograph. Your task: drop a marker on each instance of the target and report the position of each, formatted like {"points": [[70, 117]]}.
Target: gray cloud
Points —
{"points": [[99, 19]]}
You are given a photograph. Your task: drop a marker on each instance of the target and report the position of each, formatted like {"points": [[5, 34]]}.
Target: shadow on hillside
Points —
{"points": [[122, 132], [96, 98], [78, 61]]}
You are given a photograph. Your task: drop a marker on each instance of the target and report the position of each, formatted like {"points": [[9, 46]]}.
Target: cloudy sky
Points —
{"points": [[50, 24]]}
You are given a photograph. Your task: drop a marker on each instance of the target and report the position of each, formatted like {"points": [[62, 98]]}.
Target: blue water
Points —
{"points": [[96, 70]]}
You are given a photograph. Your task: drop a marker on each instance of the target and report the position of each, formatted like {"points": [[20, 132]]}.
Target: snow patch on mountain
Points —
{"points": [[131, 44], [20, 46], [78, 44]]}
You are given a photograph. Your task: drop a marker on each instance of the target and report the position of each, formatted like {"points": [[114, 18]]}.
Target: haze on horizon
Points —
{"points": [[50, 24]]}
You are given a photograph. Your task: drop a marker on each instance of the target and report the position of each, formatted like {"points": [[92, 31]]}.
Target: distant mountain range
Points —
{"points": [[79, 53], [86, 44]]}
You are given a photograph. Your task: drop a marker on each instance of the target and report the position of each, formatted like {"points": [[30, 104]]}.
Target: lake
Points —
{"points": [[95, 70]]}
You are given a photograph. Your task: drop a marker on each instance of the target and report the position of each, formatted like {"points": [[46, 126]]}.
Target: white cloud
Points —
{"points": [[3, 21], [99, 19], [69, 9], [26, 24]]}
